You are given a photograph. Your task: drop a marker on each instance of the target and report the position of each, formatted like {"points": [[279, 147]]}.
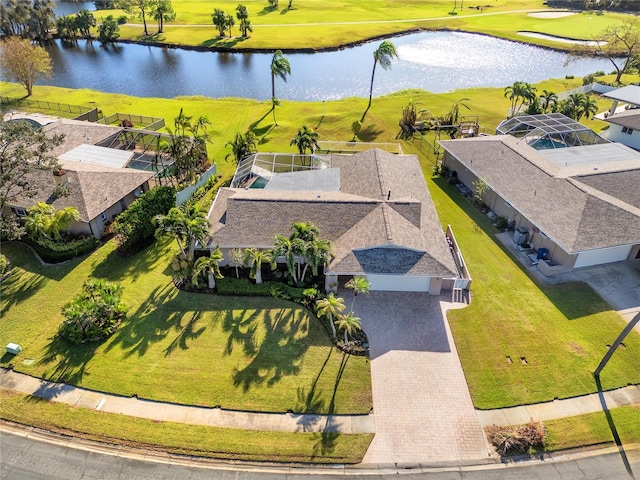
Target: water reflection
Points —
{"points": [[433, 61]]}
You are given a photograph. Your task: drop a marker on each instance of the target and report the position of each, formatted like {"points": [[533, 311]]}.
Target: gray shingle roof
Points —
{"points": [[628, 118], [93, 189], [625, 186], [571, 217], [386, 234]]}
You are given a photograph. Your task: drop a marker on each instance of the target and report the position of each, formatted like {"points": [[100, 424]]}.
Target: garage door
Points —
{"points": [[603, 255], [395, 283]]}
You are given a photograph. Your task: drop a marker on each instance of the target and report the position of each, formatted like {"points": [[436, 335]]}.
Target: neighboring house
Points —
{"points": [[624, 127], [624, 120], [100, 186], [373, 205], [581, 204]]}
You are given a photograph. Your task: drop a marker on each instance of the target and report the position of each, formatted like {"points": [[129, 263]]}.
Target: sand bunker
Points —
{"points": [[590, 43], [550, 14]]}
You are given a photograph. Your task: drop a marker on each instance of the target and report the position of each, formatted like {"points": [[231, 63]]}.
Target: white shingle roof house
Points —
{"points": [[582, 203], [374, 206]]}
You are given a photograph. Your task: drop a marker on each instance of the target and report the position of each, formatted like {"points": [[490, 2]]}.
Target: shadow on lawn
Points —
{"points": [[18, 287], [152, 322], [114, 267], [69, 360], [280, 351]]}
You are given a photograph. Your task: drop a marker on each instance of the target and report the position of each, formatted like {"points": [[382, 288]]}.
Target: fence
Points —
{"points": [[430, 150], [352, 147], [184, 194], [140, 121], [592, 87], [60, 108]]}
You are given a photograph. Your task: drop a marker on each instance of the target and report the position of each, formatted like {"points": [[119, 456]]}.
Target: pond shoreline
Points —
{"points": [[343, 46]]}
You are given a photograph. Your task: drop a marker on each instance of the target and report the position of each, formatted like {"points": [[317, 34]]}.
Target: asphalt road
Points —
{"points": [[25, 458]]}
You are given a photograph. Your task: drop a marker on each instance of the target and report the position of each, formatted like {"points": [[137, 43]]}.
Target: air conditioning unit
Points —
{"points": [[520, 236]]}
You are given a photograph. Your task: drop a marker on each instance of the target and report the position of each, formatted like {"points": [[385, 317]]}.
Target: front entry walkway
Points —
{"points": [[421, 403]]}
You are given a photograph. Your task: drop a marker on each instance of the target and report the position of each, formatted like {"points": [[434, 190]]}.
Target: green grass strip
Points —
{"points": [[201, 441]]}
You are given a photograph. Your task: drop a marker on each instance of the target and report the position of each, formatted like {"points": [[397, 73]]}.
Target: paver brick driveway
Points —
{"points": [[421, 403]]}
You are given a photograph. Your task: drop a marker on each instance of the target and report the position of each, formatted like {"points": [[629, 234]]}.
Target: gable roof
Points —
{"points": [[93, 188], [629, 94], [573, 218], [364, 214]]}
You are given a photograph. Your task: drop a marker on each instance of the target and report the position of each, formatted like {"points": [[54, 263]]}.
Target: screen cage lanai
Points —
{"points": [[547, 131]]}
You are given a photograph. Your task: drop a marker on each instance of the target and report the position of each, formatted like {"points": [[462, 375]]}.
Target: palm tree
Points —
{"points": [[229, 23], [43, 220], [316, 253], [305, 139], [549, 100], [331, 306], [242, 146], [350, 324], [37, 220], [384, 54], [589, 107], [237, 259], [359, 284], [305, 231], [280, 67], [209, 265], [255, 258], [219, 18], [186, 226], [242, 14], [520, 92], [291, 249], [61, 221]]}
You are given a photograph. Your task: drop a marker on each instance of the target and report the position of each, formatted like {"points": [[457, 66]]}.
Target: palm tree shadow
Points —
{"points": [[612, 427], [69, 360], [280, 352], [369, 134], [186, 334], [326, 444]]}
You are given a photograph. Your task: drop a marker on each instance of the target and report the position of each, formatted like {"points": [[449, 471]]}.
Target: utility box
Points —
{"points": [[520, 236], [13, 348]]}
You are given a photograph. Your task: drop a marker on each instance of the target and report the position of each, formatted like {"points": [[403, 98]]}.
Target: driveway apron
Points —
{"points": [[421, 403]]}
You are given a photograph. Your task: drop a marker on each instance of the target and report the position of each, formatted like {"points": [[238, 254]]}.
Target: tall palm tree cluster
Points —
{"points": [[523, 94], [44, 221], [187, 145], [223, 20], [333, 308]]}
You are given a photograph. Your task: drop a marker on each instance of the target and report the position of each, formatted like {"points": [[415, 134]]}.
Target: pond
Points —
{"points": [[433, 61], [62, 8]]}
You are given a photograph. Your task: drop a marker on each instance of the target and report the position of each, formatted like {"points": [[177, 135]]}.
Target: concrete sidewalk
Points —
{"points": [[568, 407], [168, 412]]}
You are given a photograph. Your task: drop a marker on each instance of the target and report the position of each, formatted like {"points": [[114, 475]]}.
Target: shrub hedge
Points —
{"points": [[244, 287], [52, 251], [134, 228]]}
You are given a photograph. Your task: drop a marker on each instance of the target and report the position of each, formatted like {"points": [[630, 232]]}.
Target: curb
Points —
{"points": [[275, 468]]}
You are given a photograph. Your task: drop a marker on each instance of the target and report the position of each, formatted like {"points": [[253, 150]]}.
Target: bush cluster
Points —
{"points": [[52, 251], [4, 263], [513, 439], [94, 314], [134, 228], [244, 287]]}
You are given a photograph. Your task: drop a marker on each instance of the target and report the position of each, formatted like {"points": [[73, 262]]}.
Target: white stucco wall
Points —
{"points": [[614, 133]]}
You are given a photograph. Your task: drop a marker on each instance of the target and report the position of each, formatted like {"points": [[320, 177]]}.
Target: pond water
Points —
{"points": [[433, 61], [68, 8]]}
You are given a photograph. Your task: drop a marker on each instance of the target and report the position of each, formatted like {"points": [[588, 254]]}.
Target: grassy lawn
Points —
{"points": [[561, 331], [338, 22], [258, 354], [594, 429], [200, 441]]}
